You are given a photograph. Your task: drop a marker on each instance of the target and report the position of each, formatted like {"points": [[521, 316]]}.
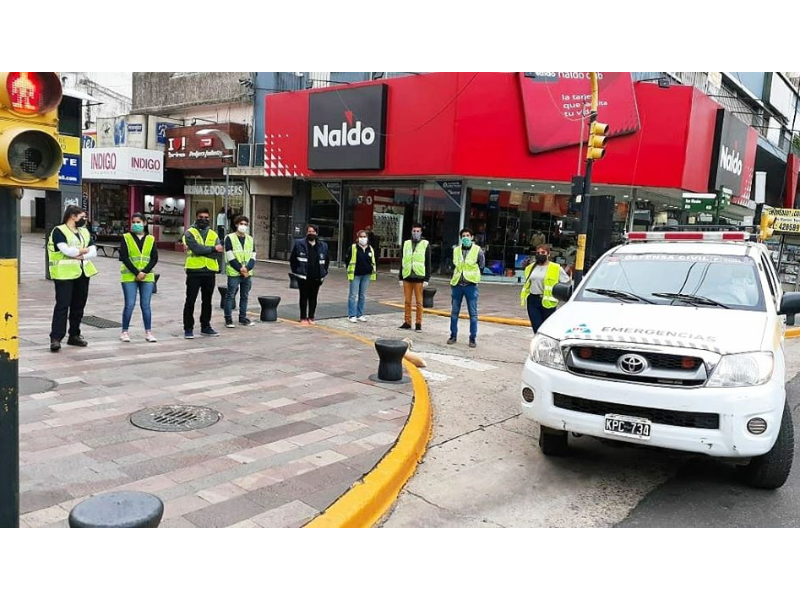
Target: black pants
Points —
{"points": [[205, 285], [309, 290], [71, 296], [537, 313]]}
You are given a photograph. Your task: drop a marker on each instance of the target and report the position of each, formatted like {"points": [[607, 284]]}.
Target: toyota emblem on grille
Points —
{"points": [[633, 364]]}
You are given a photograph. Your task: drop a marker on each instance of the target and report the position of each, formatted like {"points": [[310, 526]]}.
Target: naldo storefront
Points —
{"points": [[497, 152]]}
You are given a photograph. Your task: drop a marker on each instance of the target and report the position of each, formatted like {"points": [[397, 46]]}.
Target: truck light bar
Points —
{"points": [[687, 236]]}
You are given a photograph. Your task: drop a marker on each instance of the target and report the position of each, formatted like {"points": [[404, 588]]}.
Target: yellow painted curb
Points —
{"points": [[792, 332], [485, 319], [369, 499]]}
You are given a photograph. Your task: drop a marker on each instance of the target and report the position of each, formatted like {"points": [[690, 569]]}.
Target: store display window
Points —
{"points": [[165, 218]]}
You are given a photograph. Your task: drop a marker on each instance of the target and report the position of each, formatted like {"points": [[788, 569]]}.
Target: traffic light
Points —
{"points": [[767, 221], [30, 155], [597, 141]]}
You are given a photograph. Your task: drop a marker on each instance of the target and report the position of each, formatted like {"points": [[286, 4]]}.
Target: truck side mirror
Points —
{"points": [[790, 303], [563, 291]]}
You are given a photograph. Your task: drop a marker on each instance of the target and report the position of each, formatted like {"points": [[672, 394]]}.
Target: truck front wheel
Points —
{"points": [[771, 470], [552, 441]]}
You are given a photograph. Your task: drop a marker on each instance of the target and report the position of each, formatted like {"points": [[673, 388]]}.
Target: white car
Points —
{"points": [[673, 340]]}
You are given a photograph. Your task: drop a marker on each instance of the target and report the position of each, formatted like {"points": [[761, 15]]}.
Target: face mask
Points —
{"points": [[202, 223], [416, 236], [362, 241], [311, 237], [242, 228], [541, 259], [137, 227], [80, 223], [466, 242]]}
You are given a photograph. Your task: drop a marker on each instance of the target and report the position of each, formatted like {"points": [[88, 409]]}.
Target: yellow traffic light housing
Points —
{"points": [[767, 221], [30, 155], [597, 141]]}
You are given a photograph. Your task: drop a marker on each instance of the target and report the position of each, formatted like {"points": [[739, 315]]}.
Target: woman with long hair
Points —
{"points": [[361, 269], [138, 255]]}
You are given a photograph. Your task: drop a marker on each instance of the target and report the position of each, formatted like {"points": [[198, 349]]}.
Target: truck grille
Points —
{"points": [[673, 370], [659, 361], [676, 418]]}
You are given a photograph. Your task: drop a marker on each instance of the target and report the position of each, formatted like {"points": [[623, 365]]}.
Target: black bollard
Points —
{"points": [[155, 283], [293, 282], [390, 368], [118, 509], [223, 291], [269, 307], [427, 297]]}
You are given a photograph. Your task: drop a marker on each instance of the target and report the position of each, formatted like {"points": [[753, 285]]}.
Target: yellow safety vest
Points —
{"points": [[63, 267], [351, 268], [414, 259], [241, 253], [139, 258], [551, 278], [469, 266], [195, 262]]}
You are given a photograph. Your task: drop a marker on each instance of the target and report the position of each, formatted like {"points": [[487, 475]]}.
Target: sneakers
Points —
{"points": [[55, 345], [304, 322], [405, 326], [124, 337], [150, 337], [362, 318], [209, 331], [229, 323], [353, 320], [418, 327], [311, 321], [77, 340], [451, 341], [472, 343], [188, 334], [246, 322]]}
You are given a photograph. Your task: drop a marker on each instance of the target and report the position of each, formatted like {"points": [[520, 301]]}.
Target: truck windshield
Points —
{"points": [[704, 281]]}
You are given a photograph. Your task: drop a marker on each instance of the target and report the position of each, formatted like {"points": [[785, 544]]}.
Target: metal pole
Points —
{"points": [[580, 257], [9, 360]]}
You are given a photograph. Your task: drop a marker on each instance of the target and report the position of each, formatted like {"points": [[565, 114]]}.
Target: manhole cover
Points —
{"points": [[100, 323], [35, 385], [175, 417]]}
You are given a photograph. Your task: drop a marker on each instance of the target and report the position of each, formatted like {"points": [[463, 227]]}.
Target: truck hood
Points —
{"points": [[717, 329]]}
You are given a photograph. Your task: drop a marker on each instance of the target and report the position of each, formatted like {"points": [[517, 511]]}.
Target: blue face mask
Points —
{"points": [[137, 227], [466, 242]]}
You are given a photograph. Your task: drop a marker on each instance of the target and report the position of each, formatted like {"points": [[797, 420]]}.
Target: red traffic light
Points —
{"points": [[32, 94]]}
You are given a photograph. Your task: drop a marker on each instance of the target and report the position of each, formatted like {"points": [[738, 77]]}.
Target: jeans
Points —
{"points": [[358, 291], [71, 296], [537, 313], [458, 293], [242, 285], [129, 290], [309, 289], [205, 285], [412, 288]]}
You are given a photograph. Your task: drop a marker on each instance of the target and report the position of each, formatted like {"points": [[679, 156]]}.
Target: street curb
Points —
{"points": [[485, 319], [792, 332], [371, 497]]}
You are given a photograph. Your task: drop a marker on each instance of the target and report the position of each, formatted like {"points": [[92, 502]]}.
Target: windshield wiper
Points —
{"points": [[619, 295], [689, 299]]}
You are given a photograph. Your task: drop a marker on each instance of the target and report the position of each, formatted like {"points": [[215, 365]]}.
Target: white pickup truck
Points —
{"points": [[673, 340]]}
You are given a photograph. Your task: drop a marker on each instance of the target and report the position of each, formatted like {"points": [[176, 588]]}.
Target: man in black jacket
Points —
{"points": [[309, 263], [202, 265]]}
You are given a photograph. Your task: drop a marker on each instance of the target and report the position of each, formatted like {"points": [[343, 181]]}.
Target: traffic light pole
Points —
{"points": [[580, 256], [9, 360]]}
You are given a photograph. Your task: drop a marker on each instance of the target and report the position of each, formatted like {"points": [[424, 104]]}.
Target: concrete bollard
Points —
{"points": [[390, 354], [223, 292], [427, 297], [118, 509], [293, 282], [269, 307]]}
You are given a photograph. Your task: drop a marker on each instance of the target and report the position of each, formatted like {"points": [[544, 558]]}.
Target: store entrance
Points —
{"points": [[281, 228]]}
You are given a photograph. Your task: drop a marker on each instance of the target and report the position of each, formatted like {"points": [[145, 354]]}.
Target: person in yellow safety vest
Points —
{"points": [[537, 291], [138, 255], [468, 262], [240, 260], [70, 251], [415, 272], [203, 251], [361, 269]]}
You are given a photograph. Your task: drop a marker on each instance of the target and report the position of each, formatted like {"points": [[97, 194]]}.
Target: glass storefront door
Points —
{"points": [[281, 240]]}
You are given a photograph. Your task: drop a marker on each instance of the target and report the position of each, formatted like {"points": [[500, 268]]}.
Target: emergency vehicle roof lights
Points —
{"points": [[687, 236]]}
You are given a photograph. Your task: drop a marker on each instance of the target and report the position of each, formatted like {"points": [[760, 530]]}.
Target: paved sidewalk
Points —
{"points": [[301, 421]]}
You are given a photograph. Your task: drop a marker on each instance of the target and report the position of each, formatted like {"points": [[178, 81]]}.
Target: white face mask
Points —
{"points": [[362, 241], [243, 228]]}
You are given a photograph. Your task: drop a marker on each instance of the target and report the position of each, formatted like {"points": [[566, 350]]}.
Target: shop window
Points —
{"points": [[324, 214], [110, 212], [165, 218]]}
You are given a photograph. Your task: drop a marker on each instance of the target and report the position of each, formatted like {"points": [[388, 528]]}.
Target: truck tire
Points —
{"points": [[771, 470], [553, 442]]}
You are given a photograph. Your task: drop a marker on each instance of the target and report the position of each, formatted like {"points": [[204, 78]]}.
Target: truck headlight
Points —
{"points": [[740, 370], [546, 351]]}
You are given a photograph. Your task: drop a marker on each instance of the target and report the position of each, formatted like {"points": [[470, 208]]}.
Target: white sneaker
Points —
{"points": [[363, 319], [150, 337], [124, 337], [353, 320]]}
